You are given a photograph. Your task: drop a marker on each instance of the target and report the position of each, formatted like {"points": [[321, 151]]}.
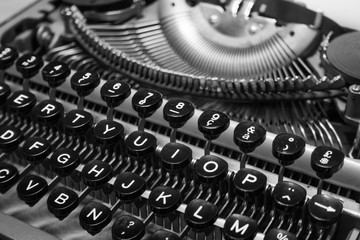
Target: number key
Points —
{"points": [[84, 82], [29, 65], [146, 101], [114, 92], [213, 123], [177, 112]]}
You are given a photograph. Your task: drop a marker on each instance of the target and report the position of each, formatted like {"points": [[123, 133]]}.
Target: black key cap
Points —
{"points": [[248, 136], [96, 173], [177, 112], [210, 169], [287, 148], [326, 161], [213, 123], [200, 214], [8, 55], [77, 122], [48, 112], [128, 186], [249, 183], [127, 227], [175, 156], [10, 138], [108, 133], [114, 92], [239, 227], [164, 235], [94, 217], [279, 234], [36, 149], [84, 82], [62, 201], [29, 65], [324, 210], [164, 200], [146, 101], [64, 161], [55, 73], [31, 189], [9, 175], [289, 196], [21, 102], [5, 92], [140, 144]]}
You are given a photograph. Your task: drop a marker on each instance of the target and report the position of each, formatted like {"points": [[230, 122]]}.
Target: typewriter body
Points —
{"points": [[180, 119]]}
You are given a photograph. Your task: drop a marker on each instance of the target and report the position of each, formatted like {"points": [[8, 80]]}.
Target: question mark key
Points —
{"points": [[128, 227]]}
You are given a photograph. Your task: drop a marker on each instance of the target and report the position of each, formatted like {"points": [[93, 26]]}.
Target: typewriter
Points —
{"points": [[179, 119]]}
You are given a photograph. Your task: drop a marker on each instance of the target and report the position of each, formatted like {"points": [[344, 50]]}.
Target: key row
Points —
{"points": [[177, 112]]}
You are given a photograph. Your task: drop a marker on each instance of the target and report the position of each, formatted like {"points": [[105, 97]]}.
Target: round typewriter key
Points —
{"points": [[249, 183], [146, 101], [84, 82], [289, 196], [36, 149], [175, 156], [8, 55], [55, 73], [164, 200], [164, 235], [279, 234], [108, 133], [4, 93], [31, 189], [140, 144], [10, 138], [200, 214], [48, 112], [77, 122], [324, 210], [64, 161], [62, 201], [287, 148], [248, 136], [21, 102], [213, 123], [96, 173], [114, 92], [177, 112], [326, 161], [129, 186], [210, 169], [9, 175], [94, 217], [127, 227], [29, 65], [239, 227]]}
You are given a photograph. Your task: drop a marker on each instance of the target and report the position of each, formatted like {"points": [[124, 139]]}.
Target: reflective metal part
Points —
{"points": [[207, 51]]}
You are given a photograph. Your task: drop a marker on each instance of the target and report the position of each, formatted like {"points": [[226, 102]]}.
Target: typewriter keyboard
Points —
{"points": [[127, 162]]}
